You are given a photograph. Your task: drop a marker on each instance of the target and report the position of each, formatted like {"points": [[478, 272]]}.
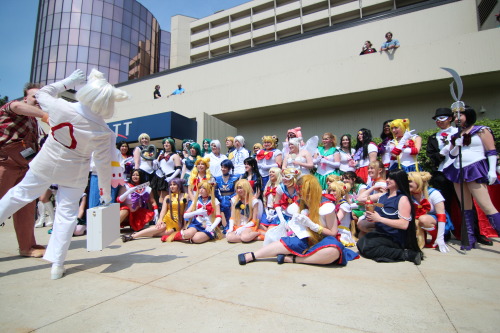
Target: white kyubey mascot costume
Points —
{"points": [[77, 131]]}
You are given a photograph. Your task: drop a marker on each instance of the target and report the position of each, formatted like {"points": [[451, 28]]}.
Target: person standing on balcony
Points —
{"points": [[178, 91], [389, 43]]}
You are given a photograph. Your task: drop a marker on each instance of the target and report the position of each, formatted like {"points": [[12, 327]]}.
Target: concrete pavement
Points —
{"points": [[149, 286]]}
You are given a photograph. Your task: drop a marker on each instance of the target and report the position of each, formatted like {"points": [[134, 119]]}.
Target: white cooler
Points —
{"points": [[103, 226]]}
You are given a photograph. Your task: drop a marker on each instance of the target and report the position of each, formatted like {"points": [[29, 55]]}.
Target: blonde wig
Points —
{"points": [[333, 178], [291, 174], [143, 136], [421, 179], [194, 172], [310, 198], [258, 146], [99, 95], [403, 124], [341, 189], [277, 172], [379, 166], [246, 200], [272, 139], [332, 137], [210, 189]]}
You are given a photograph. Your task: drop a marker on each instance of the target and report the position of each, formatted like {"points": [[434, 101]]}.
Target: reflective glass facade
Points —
{"points": [[120, 38]]}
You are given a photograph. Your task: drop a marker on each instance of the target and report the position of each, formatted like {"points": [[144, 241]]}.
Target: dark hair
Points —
{"points": [[470, 116], [350, 142], [400, 177], [252, 162], [384, 136], [388, 33], [367, 138], [29, 86], [353, 176], [228, 164], [142, 176], [119, 144]]}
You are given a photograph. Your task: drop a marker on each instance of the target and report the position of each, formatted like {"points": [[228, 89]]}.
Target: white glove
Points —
{"points": [[124, 196], [306, 222], [268, 166], [176, 172], [408, 135], [280, 215], [230, 228], [242, 228], [200, 211], [270, 213], [156, 215], [354, 206], [156, 164], [440, 238], [492, 173], [75, 78], [445, 151], [459, 142], [333, 164], [105, 199], [214, 225]]}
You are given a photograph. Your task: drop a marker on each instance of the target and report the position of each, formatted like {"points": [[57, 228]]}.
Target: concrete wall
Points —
{"points": [[270, 90]]}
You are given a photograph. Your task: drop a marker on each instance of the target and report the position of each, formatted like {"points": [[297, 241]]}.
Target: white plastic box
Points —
{"points": [[103, 226]]}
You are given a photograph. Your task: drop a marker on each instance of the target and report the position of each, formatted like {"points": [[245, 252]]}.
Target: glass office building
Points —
{"points": [[120, 38]]}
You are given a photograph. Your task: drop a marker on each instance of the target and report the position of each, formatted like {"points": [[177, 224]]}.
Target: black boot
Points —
{"points": [[413, 256], [469, 225]]}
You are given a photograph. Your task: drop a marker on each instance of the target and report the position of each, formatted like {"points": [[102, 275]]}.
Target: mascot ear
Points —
{"points": [[149, 153]]}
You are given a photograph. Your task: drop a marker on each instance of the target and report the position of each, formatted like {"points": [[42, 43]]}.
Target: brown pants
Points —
{"points": [[13, 167]]}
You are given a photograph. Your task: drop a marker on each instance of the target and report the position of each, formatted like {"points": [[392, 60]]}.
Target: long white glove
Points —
{"points": [[459, 142], [176, 172], [124, 196], [266, 167], [75, 78], [333, 164], [406, 136], [354, 206], [230, 228], [242, 228], [492, 173], [156, 215], [280, 215], [200, 211], [306, 222], [440, 238], [214, 225]]}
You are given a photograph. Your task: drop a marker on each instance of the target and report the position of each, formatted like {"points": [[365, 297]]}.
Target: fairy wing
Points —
{"points": [[311, 145]]}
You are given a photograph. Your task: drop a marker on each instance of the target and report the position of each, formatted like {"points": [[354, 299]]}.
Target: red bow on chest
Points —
{"points": [[422, 208], [264, 154], [270, 191]]}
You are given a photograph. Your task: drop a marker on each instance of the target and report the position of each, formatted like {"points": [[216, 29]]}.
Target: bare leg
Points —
{"points": [[200, 237], [482, 196], [248, 235], [232, 237], [426, 221], [150, 232], [467, 196], [123, 216], [324, 256]]}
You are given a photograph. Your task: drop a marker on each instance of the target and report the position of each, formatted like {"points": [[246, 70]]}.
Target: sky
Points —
{"points": [[18, 25]]}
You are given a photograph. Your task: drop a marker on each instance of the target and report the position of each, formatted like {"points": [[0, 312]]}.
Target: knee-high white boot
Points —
{"points": [[49, 210], [41, 215]]}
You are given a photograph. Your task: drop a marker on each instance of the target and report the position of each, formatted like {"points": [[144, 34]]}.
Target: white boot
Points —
{"points": [[49, 209], [41, 215]]}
